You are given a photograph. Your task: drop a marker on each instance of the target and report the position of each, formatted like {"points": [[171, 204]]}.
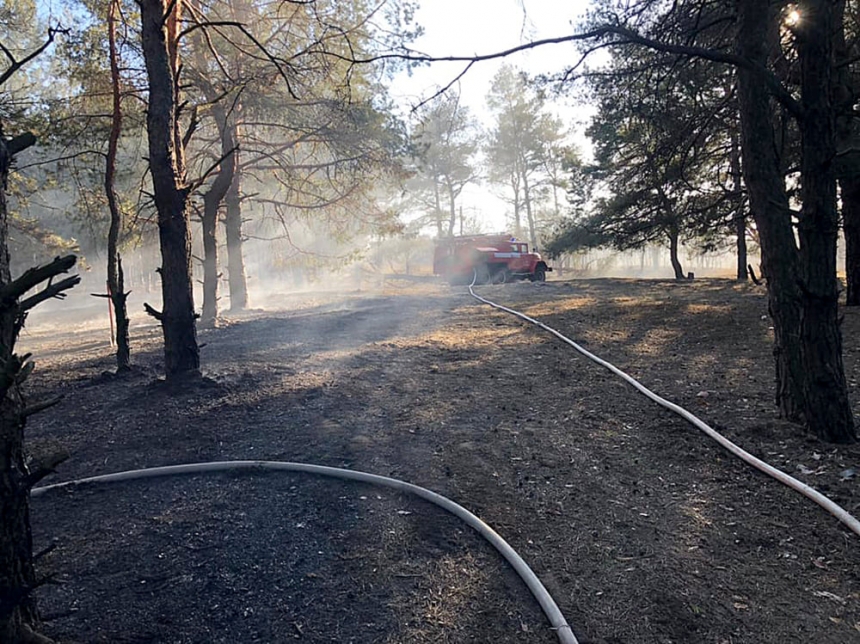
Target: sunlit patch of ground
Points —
{"points": [[472, 337], [696, 509], [708, 309], [558, 306], [655, 343], [433, 611]]}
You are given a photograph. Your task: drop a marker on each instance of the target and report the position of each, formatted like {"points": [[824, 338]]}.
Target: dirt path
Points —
{"points": [[642, 530]]}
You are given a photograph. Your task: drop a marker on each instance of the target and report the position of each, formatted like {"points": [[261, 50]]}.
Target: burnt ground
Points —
{"points": [[641, 527]]}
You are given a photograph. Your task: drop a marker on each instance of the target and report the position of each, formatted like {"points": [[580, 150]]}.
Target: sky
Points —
{"points": [[468, 27]]}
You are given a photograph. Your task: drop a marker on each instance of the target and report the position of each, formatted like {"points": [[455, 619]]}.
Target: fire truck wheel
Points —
{"points": [[482, 274], [501, 276], [540, 275]]}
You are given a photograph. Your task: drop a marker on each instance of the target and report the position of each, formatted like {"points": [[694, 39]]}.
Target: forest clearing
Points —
{"points": [[233, 181], [642, 529]]}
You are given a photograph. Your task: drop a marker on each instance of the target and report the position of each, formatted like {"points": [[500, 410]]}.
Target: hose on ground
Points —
{"points": [[547, 604], [836, 510]]}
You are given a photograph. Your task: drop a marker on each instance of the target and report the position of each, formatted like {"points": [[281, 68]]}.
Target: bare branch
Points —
{"points": [[15, 65], [244, 30], [629, 36], [444, 89], [193, 185]]}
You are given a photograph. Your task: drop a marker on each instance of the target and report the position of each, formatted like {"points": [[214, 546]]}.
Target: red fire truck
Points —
{"points": [[489, 259]]}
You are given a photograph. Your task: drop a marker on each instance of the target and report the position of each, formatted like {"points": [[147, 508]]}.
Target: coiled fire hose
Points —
{"points": [[547, 604], [833, 508]]}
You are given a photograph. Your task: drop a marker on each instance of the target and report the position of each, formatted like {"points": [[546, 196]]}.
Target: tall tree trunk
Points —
{"points": [[115, 279], [810, 384], [211, 207], [236, 277], [740, 219], [167, 167], [673, 253], [827, 409], [770, 208]]}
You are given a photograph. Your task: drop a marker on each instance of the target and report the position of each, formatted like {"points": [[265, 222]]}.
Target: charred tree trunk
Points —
{"points": [[115, 279], [801, 284], [233, 231], [18, 615], [167, 167]]}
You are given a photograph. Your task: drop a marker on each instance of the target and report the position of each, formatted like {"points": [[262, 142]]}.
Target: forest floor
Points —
{"points": [[642, 528]]}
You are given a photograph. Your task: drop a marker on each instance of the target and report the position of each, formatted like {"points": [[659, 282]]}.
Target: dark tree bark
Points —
{"points": [[673, 254], [801, 282], [237, 280], [212, 201], [115, 279], [741, 246], [18, 615], [827, 410], [167, 167], [770, 208]]}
